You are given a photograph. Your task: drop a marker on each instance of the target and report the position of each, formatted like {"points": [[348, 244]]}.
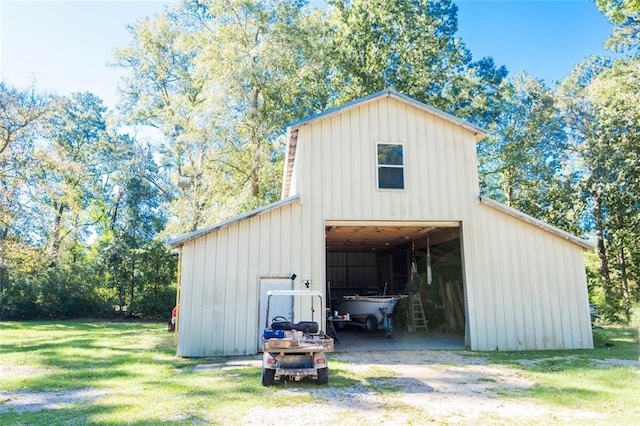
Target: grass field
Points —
{"points": [[84, 372]]}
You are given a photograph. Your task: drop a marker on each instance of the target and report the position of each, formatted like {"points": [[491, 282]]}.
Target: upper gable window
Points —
{"points": [[390, 166]]}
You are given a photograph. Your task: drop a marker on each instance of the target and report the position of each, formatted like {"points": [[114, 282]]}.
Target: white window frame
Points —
{"points": [[402, 166]]}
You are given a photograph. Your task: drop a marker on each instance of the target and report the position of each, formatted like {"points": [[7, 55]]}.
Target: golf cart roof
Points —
{"points": [[294, 293]]}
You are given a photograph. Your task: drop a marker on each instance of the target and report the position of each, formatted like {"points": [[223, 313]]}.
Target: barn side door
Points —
{"points": [[280, 305]]}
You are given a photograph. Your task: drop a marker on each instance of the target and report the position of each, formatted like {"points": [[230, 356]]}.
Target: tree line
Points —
{"points": [[87, 201]]}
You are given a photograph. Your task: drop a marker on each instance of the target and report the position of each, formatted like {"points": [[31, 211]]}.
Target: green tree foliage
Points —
{"points": [[219, 79], [164, 90], [21, 115], [131, 217], [614, 153], [524, 162], [84, 198], [407, 45], [625, 16], [601, 101], [70, 162], [240, 70], [70, 182], [410, 45]]}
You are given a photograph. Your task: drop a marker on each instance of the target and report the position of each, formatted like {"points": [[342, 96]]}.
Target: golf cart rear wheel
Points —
{"points": [[323, 376], [371, 323], [268, 377]]}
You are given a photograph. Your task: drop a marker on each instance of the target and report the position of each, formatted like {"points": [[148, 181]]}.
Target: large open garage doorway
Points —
{"points": [[420, 262]]}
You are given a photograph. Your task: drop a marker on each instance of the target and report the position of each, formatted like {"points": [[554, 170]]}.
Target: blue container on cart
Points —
{"points": [[273, 334]]}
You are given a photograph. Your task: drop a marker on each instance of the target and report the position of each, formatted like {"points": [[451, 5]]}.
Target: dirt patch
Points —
{"points": [[9, 371], [37, 401], [610, 362]]}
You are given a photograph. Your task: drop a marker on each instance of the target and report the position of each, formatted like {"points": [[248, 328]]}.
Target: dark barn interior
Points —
{"points": [[378, 260]]}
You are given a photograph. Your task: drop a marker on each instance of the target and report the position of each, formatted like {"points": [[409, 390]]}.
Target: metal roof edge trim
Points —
{"points": [[181, 240], [537, 222], [479, 132]]}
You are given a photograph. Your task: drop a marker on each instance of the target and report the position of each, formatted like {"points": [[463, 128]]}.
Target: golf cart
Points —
{"points": [[295, 350]]}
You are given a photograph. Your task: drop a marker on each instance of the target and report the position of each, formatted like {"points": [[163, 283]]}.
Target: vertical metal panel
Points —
{"points": [[506, 332], [186, 300], [548, 301], [540, 299], [490, 288], [534, 285], [204, 296], [215, 280], [415, 131], [220, 277], [234, 313], [436, 155], [352, 128], [244, 284]]}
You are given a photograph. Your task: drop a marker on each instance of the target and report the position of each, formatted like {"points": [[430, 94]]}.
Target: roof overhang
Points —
{"points": [[181, 240], [586, 245]]}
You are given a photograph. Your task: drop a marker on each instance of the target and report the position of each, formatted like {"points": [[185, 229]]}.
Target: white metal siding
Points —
{"points": [[337, 174], [220, 277], [336, 171], [526, 288]]}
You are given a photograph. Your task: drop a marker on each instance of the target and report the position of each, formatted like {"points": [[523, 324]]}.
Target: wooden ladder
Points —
{"points": [[418, 319]]}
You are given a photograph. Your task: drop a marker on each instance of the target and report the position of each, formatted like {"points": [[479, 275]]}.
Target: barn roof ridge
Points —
{"points": [[389, 92]]}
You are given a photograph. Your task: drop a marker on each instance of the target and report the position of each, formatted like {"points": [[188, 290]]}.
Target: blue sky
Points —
{"points": [[66, 45], [545, 38]]}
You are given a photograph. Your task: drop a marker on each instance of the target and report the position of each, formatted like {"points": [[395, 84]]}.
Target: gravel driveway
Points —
{"points": [[419, 387], [403, 387]]}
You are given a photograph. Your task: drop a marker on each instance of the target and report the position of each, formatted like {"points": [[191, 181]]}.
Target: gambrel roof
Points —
{"points": [[292, 133]]}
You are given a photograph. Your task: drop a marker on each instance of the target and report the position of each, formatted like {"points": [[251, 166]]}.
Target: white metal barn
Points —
{"points": [[367, 187]]}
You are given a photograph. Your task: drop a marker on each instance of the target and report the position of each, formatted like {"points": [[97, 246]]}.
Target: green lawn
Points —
{"points": [[135, 377], [605, 379]]}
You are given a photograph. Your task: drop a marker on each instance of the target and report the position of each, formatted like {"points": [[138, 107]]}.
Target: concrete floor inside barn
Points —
{"points": [[351, 339]]}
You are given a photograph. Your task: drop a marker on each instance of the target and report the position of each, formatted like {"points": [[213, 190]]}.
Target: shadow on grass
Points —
{"points": [[76, 415], [148, 384], [621, 343], [581, 378], [618, 342], [75, 355], [139, 378]]}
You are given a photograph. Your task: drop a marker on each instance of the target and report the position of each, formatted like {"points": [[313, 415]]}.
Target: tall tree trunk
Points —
{"points": [[256, 160], [55, 235], [3, 238], [626, 293], [133, 282], [2, 269], [605, 275], [508, 186]]}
